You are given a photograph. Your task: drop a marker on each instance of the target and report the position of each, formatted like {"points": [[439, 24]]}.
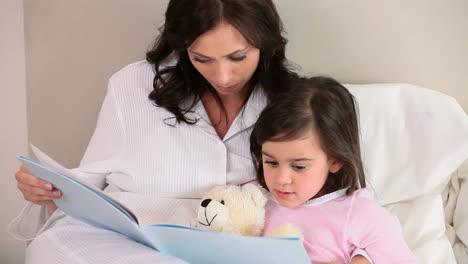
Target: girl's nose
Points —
{"points": [[284, 176]]}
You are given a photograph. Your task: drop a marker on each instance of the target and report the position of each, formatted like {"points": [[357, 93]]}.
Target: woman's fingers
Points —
{"points": [[34, 189], [25, 176], [35, 194]]}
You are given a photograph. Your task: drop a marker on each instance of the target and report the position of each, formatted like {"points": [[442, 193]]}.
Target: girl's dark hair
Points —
{"points": [[257, 20], [324, 106]]}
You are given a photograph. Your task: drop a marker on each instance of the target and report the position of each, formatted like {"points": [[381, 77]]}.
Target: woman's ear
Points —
{"points": [[335, 166]]}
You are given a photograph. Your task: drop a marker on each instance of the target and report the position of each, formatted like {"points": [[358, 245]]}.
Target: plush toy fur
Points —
{"points": [[233, 209], [238, 210]]}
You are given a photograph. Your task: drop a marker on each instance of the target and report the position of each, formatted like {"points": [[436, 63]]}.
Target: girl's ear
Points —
{"points": [[335, 166]]}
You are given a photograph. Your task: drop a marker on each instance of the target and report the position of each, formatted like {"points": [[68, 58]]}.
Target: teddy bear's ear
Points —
{"points": [[256, 194], [216, 193]]}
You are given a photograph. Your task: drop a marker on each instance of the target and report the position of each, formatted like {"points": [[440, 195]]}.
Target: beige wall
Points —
{"points": [[422, 42], [13, 130], [72, 48]]}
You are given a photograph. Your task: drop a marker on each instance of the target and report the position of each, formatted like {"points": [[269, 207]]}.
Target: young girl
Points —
{"points": [[305, 146]]}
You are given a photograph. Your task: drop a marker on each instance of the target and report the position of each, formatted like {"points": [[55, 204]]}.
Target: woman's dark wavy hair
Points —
{"points": [[326, 107], [257, 20]]}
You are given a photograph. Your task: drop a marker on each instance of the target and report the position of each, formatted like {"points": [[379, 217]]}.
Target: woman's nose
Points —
{"points": [[223, 74]]}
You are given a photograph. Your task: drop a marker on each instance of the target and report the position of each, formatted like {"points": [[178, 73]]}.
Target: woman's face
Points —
{"points": [[296, 170], [225, 58]]}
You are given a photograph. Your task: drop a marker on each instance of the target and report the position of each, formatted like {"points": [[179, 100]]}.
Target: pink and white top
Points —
{"points": [[336, 227]]}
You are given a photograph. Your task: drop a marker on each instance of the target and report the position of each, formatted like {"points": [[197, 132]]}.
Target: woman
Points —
{"points": [[171, 126]]}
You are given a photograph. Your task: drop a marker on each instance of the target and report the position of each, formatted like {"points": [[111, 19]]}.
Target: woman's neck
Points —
{"points": [[220, 120]]}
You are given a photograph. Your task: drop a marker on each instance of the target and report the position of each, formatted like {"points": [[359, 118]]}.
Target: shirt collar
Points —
{"points": [[320, 200], [244, 120], [249, 113]]}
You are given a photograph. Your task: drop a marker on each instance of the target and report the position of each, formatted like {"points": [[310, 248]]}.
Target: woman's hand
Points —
{"points": [[36, 190]]}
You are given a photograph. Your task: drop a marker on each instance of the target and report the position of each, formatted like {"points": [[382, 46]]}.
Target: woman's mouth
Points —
{"points": [[225, 88]]}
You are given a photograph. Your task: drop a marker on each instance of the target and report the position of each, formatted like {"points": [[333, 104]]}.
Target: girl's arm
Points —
{"points": [[373, 228], [358, 259]]}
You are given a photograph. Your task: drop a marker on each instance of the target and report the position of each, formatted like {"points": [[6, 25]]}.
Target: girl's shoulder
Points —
{"points": [[364, 206], [363, 194], [364, 199]]}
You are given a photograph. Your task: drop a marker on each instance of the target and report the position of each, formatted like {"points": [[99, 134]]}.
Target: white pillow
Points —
{"points": [[413, 138], [423, 226]]}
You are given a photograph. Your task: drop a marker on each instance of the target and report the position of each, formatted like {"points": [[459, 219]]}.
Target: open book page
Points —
{"points": [[53, 164], [153, 210], [84, 203]]}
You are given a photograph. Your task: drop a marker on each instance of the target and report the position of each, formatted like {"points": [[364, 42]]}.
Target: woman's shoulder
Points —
{"points": [[135, 70], [135, 79], [144, 67], [138, 74]]}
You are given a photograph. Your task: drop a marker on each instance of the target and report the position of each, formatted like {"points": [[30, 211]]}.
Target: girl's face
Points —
{"points": [[296, 170], [225, 58]]}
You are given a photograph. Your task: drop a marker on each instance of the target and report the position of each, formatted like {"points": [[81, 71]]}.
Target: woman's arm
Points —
{"points": [[41, 211]]}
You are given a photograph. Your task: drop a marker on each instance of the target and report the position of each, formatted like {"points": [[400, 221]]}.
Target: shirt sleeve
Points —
{"points": [[371, 228], [107, 139], [107, 142]]}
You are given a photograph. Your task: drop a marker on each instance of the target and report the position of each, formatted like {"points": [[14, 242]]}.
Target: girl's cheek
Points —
{"points": [[267, 173]]}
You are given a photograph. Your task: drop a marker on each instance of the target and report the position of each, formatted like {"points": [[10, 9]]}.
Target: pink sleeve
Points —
{"points": [[372, 228]]}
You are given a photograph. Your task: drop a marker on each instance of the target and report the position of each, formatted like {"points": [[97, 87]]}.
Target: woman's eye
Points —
{"points": [[238, 58], [201, 60]]}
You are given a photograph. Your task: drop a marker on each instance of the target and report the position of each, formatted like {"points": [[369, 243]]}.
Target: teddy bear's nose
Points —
{"points": [[205, 202]]}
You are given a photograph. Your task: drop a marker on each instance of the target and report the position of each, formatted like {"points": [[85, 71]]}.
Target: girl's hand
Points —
{"points": [[36, 190]]}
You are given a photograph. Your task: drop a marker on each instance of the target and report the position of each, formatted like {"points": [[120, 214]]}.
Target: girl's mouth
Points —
{"points": [[283, 195]]}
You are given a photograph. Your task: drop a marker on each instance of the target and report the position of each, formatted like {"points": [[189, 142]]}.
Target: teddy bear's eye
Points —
{"points": [[222, 202]]}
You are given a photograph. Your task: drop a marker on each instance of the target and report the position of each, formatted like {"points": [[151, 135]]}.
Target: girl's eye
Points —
{"points": [[238, 58], [298, 167], [201, 60], [271, 163]]}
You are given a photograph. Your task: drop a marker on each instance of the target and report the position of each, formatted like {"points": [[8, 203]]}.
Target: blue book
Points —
{"points": [[97, 208]]}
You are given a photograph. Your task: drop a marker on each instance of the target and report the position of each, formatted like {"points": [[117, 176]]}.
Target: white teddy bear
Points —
{"points": [[238, 210]]}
